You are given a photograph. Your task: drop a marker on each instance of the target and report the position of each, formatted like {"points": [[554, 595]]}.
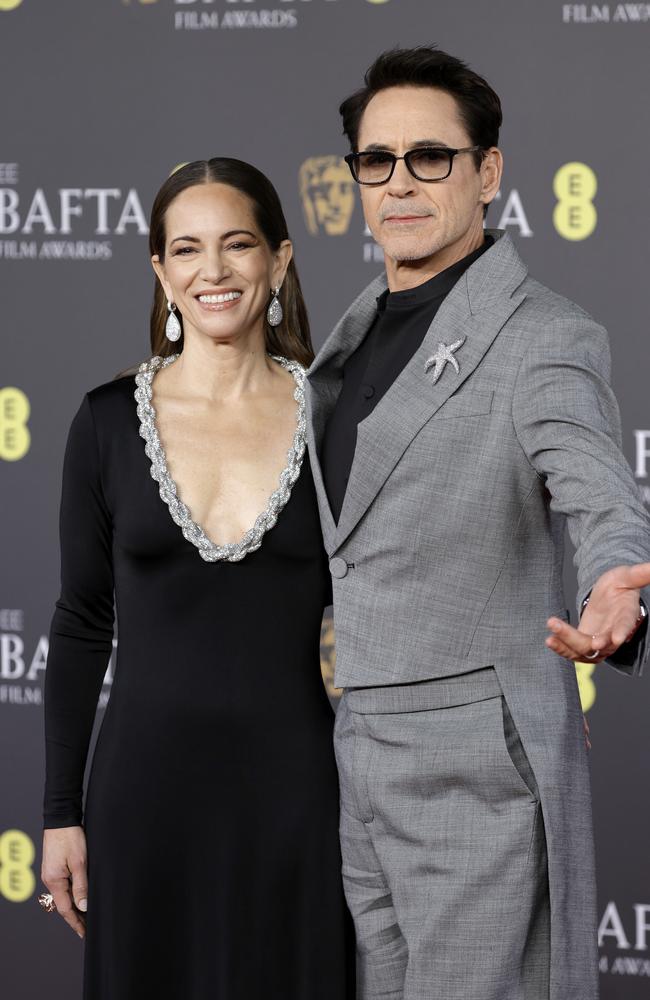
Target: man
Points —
{"points": [[460, 413]]}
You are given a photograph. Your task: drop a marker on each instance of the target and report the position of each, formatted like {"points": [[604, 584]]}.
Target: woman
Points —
{"points": [[213, 865]]}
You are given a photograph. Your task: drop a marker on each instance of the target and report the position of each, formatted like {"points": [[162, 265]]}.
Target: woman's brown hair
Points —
{"points": [[292, 338]]}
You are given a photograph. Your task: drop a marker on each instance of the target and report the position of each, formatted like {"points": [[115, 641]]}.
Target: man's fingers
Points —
{"points": [[561, 648], [573, 644], [610, 619], [578, 643]]}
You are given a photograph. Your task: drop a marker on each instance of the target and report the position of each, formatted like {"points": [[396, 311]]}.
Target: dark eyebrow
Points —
{"points": [[237, 232], [225, 236], [187, 239], [378, 147]]}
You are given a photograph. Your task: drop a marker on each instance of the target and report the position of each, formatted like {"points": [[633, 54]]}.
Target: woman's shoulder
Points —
{"points": [[112, 393], [113, 399]]}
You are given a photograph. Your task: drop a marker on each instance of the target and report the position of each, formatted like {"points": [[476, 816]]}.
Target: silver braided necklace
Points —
{"points": [[193, 532]]}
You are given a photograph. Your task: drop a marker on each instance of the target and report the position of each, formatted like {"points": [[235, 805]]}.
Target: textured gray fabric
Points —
{"points": [[448, 555], [458, 492], [444, 855]]}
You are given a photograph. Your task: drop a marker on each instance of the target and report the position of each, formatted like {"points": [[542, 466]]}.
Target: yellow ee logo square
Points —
{"points": [[15, 438], [17, 854], [575, 186], [586, 685]]}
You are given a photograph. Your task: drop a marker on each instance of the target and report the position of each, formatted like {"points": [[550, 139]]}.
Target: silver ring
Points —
{"points": [[592, 656]]}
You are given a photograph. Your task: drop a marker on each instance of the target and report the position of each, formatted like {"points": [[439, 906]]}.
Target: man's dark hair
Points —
{"points": [[478, 105]]}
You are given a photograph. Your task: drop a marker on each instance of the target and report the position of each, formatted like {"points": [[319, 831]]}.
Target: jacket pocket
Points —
{"points": [[522, 772]]}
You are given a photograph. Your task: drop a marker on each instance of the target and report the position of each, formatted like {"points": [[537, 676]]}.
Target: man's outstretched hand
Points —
{"points": [[611, 617]]}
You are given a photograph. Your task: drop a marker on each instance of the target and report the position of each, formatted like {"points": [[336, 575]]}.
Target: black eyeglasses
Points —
{"points": [[425, 163]]}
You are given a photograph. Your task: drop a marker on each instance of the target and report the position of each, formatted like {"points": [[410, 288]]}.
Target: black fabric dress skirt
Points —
{"points": [[212, 807]]}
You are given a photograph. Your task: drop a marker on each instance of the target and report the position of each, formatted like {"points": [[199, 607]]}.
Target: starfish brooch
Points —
{"points": [[443, 355]]}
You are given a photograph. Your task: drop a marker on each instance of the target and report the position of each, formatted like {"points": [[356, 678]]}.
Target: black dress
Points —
{"points": [[212, 809]]}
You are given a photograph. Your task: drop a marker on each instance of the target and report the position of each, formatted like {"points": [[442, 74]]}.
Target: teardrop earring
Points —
{"points": [[274, 313], [172, 326]]}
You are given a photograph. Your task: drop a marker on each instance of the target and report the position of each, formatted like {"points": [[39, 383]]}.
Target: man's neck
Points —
{"points": [[405, 274]]}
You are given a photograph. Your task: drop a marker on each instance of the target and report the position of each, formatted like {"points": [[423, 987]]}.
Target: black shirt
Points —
{"points": [[402, 321]]}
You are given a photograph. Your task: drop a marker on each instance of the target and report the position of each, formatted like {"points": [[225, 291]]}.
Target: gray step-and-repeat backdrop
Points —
{"points": [[99, 102]]}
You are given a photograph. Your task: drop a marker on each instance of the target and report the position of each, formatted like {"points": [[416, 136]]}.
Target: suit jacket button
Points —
{"points": [[338, 567]]}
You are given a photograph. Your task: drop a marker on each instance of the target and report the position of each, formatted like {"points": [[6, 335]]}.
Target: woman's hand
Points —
{"points": [[64, 873]]}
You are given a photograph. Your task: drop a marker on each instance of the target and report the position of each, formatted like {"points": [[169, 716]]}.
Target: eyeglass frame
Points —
{"points": [[352, 157]]}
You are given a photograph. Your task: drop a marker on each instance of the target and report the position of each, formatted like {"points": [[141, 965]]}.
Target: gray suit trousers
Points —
{"points": [[444, 853]]}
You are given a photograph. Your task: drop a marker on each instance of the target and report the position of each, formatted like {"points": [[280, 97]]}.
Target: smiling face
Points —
{"points": [[432, 223], [217, 266]]}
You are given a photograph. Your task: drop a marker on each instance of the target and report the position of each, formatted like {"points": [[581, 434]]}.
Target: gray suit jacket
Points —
{"points": [[448, 552]]}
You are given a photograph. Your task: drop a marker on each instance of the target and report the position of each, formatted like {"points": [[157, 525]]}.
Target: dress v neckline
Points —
{"points": [[181, 515]]}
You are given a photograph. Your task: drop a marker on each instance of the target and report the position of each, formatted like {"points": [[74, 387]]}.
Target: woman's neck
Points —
{"points": [[220, 370]]}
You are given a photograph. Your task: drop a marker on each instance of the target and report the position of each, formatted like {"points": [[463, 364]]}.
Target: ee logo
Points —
{"points": [[575, 186], [15, 438], [17, 882], [586, 685]]}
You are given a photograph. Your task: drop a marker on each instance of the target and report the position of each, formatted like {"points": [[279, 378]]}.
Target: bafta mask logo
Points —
{"points": [[327, 192]]}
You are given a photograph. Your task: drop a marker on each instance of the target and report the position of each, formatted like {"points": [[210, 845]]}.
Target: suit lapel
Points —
{"points": [[321, 399], [476, 309], [324, 381], [348, 333]]}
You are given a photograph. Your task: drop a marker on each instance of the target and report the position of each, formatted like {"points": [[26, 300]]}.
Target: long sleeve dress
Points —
{"points": [[211, 813]]}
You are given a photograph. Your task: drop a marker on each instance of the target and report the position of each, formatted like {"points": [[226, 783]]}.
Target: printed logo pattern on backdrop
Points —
{"points": [[623, 932], [70, 202], [575, 187], [327, 195], [75, 213], [604, 13], [22, 662], [17, 853], [199, 15], [586, 684], [15, 438]]}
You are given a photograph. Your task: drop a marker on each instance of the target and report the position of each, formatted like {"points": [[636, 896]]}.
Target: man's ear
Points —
{"points": [[491, 173]]}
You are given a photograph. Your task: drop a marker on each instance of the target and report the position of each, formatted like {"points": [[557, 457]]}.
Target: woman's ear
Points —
{"points": [[159, 268], [282, 259]]}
